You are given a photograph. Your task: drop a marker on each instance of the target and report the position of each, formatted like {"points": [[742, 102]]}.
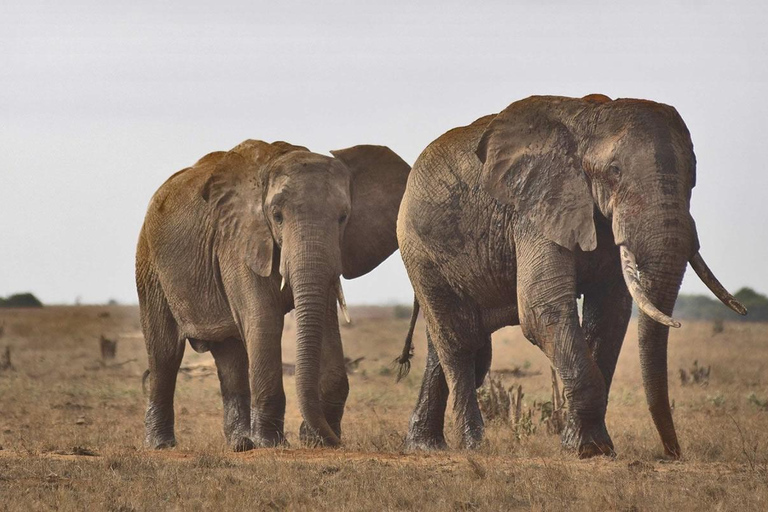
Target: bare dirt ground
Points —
{"points": [[71, 429]]}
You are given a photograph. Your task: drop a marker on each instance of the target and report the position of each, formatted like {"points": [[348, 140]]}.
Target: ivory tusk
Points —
{"points": [[631, 277], [709, 279], [282, 284], [342, 302]]}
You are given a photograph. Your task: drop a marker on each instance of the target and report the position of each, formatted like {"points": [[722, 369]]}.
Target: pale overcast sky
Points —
{"points": [[100, 103]]}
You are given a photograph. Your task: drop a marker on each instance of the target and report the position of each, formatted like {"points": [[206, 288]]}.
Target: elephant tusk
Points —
{"points": [[709, 279], [342, 302], [631, 277], [282, 284]]}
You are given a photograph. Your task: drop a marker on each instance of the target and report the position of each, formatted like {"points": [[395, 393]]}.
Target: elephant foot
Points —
{"points": [[425, 445], [424, 442], [158, 427], [673, 452], [594, 449], [241, 444], [268, 439], [425, 435], [310, 437], [472, 439], [587, 442], [159, 442], [238, 436]]}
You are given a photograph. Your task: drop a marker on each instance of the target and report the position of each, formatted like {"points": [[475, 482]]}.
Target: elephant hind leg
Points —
{"points": [[164, 353], [232, 366], [458, 341], [482, 363], [425, 430], [460, 370]]}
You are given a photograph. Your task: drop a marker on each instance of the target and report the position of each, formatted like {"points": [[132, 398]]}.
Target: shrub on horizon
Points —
{"points": [[21, 300]]}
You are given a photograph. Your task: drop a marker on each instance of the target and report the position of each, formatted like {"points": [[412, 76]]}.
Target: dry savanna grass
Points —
{"points": [[71, 429]]}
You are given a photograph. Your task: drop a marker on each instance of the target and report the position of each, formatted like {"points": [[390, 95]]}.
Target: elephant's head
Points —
{"points": [[310, 218], [562, 162]]}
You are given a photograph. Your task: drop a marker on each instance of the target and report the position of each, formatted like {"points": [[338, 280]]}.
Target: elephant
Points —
{"points": [[233, 243], [507, 221]]}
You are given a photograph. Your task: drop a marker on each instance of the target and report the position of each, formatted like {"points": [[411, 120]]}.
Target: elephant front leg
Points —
{"points": [[586, 395], [232, 365], [334, 383], [558, 332], [425, 431], [605, 317], [549, 317], [265, 369]]}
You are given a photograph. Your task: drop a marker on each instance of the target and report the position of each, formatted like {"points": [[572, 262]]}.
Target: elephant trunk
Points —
{"points": [[654, 282], [662, 257], [312, 280], [662, 282]]}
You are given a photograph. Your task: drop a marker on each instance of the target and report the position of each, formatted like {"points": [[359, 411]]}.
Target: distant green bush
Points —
{"points": [[402, 311], [702, 307], [20, 300], [756, 303]]}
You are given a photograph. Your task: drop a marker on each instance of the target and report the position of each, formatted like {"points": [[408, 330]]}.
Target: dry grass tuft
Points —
{"points": [[505, 406], [696, 375]]}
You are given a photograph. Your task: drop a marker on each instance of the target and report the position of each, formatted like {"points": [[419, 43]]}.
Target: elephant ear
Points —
{"points": [[529, 162], [378, 183], [233, 190]]}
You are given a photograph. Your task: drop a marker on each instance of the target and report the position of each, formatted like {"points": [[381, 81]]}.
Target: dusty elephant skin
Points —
{"points": [[508, 220], [233, 243]]}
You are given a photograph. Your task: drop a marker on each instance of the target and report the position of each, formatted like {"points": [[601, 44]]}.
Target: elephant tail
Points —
{"points": [[144, 379], [404, 361]]}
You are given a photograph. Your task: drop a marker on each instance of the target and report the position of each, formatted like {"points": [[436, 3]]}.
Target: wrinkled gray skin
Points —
{"points": [[217, 241], [506, 221]]}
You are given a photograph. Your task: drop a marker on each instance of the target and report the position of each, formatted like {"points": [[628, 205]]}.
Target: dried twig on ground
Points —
{"points": [[101, 365]]}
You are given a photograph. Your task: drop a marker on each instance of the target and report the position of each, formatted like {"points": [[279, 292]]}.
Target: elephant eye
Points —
{"points": [[343, 218], [614, 170], [278, 216]]}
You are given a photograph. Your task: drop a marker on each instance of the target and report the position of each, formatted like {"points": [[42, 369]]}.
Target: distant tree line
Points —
{"points": [[702, 307], [20, 300]]}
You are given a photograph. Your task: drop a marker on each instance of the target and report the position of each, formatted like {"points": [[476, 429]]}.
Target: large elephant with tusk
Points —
{"points": [[510, 219], [233, 243]]}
